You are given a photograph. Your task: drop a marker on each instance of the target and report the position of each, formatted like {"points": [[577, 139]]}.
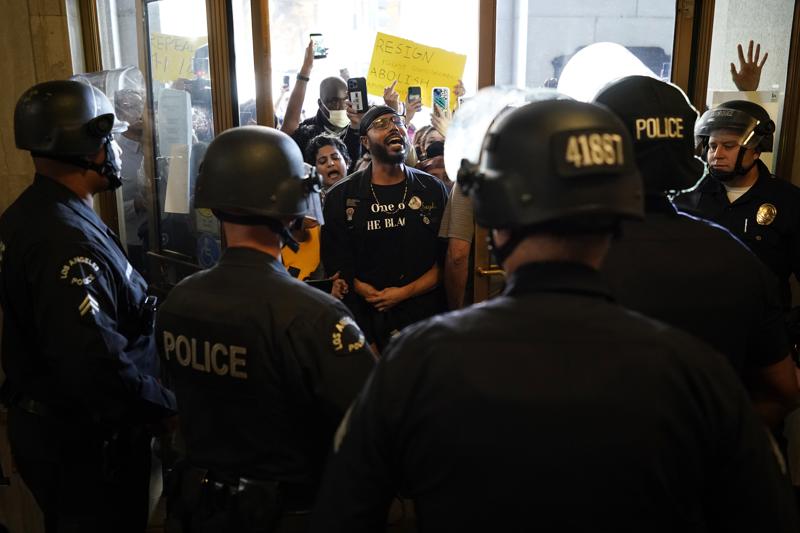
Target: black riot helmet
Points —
{"points": [[255, 175], [750, 121], [554, 163], [67, 121], [661, 122]]}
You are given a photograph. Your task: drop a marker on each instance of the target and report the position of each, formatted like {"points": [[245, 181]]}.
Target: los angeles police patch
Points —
{"points": [[347, 336], [79, 271]]}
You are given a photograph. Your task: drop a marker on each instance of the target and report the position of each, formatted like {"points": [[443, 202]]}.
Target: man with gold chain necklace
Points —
{"points": [[380, 233]]}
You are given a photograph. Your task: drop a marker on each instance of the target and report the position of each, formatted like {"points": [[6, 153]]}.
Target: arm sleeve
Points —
{"points": [[336, 248], [359, 481], [769, 342], [796, 243], [90, 352], [747, 490], [458, 221], [336, 358], [353, 142]]}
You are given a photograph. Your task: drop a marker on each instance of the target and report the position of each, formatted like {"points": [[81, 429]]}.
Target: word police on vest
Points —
{"points": [[215, 357], [659, 128]]}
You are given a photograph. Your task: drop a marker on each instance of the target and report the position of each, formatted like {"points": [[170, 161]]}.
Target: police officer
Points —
{"points": [[382, 230], [741, 194], [263, 365], [552, 408], [668, 266], [78, 350]]}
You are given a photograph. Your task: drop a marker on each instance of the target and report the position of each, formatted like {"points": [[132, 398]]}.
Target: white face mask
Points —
{"points": [[339, 118]]}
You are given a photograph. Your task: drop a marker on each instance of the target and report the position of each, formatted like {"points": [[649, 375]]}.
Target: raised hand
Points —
{"points": [[749, 74]]}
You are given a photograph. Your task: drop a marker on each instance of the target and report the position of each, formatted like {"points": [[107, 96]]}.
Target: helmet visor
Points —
{"points": [[731, 121], [313, 204]]}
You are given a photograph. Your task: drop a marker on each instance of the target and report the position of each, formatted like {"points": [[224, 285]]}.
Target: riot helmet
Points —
{"points": [[68, 121], [749, 121], [554, 165], [255, 175], [661, 122]]}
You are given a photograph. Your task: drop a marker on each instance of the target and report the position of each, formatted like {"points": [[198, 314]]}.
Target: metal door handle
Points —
{"points": [[493, 270]]}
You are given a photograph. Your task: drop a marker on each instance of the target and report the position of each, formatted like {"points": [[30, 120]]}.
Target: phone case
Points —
{"points": [[357, 91], [441, 97]]}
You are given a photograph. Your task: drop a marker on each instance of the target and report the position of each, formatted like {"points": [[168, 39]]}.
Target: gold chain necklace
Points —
{"points": [[402, 203]]}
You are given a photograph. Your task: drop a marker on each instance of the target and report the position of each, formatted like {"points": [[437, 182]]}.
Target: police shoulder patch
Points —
{"points": [[346, 336], [80, 271]]}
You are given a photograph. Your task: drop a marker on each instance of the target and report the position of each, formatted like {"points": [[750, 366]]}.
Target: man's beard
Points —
{"points": [[381, 154]]}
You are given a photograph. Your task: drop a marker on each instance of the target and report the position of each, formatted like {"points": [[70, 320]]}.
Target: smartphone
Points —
{"points": [[357, 90], [319, 46], [414, 94], [441, 98]]}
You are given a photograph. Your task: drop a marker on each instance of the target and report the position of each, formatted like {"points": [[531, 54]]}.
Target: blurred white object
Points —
{"points": [[597, 65]]}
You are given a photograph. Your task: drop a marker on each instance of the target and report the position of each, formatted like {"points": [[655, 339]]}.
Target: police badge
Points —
{"points": [[766, 214]]}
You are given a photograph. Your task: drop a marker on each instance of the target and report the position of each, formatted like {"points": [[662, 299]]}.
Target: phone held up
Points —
{"points": [[357, 91], [414, 94], [441, 99], [318, 44]]}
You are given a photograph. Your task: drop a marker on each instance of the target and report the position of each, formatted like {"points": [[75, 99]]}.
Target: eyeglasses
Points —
{"points": [[383, 123]]}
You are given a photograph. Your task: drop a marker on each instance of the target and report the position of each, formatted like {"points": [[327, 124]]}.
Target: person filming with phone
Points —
{"points": [[334, 115]]}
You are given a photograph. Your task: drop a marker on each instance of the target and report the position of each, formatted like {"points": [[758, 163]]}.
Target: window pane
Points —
{"points": [[536, 38], [243, 48], [180, 73], [123, 83], [736, 22], [349, 28]]}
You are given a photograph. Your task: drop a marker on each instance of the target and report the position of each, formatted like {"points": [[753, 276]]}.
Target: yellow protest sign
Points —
{"points": [[171, 56], [411, 63]]}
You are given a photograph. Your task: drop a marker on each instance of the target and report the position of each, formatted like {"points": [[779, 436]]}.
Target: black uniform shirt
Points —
{"points": [[263, 366], [387, 237], [76, 336], [355, 222], [550, 408], [766, 218], [696, 276]]}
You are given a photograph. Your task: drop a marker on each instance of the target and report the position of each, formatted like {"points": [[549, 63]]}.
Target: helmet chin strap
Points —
{"points": [[502, 251], [109, 168], [252, 220], [738, 170]]}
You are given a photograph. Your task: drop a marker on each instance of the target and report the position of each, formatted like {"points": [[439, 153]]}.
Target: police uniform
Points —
{"points": [[766, 218], [385, 241], [80, 362], [552, 408], [263, 374], [671, 266], [263, 365]]}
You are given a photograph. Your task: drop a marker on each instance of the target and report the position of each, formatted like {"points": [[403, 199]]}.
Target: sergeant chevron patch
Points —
{"points": [[89, 305]]}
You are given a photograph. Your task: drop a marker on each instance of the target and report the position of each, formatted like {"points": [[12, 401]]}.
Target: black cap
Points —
{"points": [[661, 122], [370, 116]]}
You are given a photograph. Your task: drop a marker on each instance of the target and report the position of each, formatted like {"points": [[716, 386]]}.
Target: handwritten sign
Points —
{"points": [[410, 63], [171, 56]]}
